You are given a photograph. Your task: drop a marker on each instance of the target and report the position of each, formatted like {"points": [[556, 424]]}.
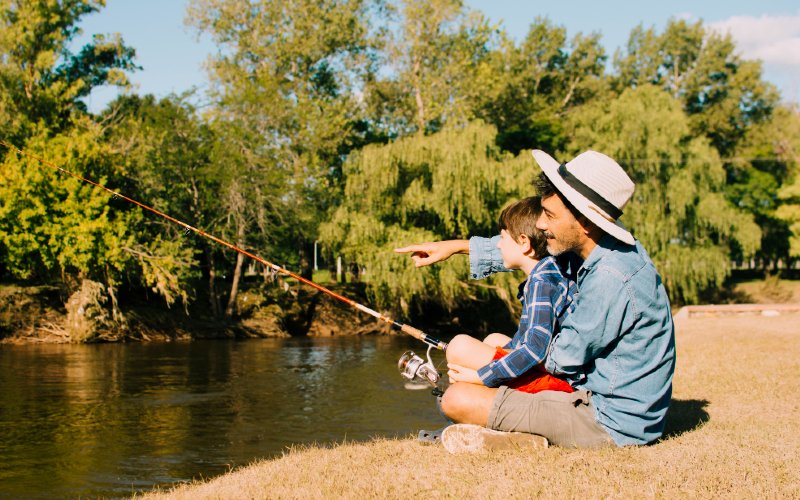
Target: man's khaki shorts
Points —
{"points": [[565, 419]]}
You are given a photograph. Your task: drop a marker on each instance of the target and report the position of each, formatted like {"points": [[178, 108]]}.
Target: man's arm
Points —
{"points": [[603, 311]]}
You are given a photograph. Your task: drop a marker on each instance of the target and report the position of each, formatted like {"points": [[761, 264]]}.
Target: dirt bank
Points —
{"points": [[47, 314]]}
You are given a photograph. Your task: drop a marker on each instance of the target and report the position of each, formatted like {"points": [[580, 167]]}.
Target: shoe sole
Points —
{"points": [[469, 438]]}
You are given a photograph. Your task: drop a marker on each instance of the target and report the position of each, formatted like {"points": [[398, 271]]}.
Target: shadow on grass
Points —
{"points": [[685, 415]]}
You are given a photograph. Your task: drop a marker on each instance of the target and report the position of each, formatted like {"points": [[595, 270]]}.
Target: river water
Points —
{"points": [[115, 419]]}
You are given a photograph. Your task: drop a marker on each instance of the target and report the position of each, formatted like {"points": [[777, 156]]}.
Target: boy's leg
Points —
{"points": [[469, 352], [497, 339]]}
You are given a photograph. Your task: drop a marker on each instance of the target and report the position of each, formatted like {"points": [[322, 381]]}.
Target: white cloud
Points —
{"points": [[773, 39]]}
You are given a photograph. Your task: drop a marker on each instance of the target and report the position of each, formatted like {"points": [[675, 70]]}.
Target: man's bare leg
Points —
{"points": [[468, 403]]}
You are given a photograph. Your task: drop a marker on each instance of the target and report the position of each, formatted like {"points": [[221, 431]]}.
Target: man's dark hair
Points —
{"points": [[520, 218], [545, 189]]}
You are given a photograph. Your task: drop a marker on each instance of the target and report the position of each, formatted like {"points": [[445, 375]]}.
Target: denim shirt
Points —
{"points": [[618, 343]]}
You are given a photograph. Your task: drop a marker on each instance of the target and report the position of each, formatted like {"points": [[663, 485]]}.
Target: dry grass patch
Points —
{"points": [[733, 431], [771, 290]]}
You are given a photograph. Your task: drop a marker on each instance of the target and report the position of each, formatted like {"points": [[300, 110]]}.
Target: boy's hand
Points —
{"points": [[425, 254], [458, 373]]}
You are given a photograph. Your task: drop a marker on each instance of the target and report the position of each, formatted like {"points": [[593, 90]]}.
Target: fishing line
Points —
{"points": [[408, 329]]}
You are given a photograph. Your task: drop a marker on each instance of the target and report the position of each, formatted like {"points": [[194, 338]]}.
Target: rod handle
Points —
{"points": [[420, 335]]}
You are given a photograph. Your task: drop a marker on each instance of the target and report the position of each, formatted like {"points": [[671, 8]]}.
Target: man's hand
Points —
{"points": [[458, 373], [425, 254]]}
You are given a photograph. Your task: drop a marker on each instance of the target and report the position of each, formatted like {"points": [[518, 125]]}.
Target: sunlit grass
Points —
{"points": [[769, 290], [733, 431]]}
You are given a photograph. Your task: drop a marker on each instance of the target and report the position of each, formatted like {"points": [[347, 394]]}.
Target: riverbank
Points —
{"points": [[731, 431], [45, 314], [48, 314]]}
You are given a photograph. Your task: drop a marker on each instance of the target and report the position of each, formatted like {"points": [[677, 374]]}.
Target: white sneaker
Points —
{"points": [[470, 438]]}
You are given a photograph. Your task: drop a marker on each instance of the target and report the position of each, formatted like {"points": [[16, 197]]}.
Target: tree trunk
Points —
{"points": [[418, 98], [237, 274], [213, 298], [116, 312], [307, 259]]}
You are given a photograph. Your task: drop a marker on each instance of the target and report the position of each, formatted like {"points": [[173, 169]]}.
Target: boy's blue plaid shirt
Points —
{"points": [[547, 297]]}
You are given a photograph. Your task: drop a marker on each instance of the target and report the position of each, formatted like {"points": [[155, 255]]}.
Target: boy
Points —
{"points": [[546, 299]]}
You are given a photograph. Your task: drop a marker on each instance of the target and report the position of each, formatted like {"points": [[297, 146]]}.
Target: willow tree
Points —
{"points": [[451, 184], [679, 210]]}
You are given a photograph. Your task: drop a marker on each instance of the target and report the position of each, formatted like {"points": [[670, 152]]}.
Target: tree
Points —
{"points": [[56, 226], [723, 94], [765, 163], [538, 82], [283, 87], [162, 150], [727, 102], [784, 138], [437, 66], [451, 184], [41, 82], [679, 211]]}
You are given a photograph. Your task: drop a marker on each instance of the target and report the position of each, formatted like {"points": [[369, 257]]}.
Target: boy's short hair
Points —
{"points": [[520, 218]]}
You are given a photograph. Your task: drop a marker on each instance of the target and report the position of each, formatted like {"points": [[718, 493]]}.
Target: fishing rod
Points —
{"points": [[410, 365]]}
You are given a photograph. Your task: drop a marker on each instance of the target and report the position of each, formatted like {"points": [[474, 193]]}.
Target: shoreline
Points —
{"points": [[36, 315]]}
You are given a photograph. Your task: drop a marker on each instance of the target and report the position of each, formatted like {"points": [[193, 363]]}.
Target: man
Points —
{"points": [[616, 349]]}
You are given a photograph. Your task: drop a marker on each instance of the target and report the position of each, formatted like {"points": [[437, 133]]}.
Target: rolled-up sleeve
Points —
{"points": [[484, 257]]}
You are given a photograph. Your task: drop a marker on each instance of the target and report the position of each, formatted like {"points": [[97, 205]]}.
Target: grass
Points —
{"points": [[768, 291], [733, 431]]}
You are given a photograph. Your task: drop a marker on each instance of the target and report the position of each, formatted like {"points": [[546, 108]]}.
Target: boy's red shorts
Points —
{"points": [[535, 380]]}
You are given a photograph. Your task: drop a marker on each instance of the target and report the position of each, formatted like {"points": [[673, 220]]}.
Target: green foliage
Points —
{"points": [[165, 268], [440, 67], [51, 223], [451, 184], [55, 225], [40, 80], [723, 94], [678, 211], [784, 137], [284, 109], [538, 82]]}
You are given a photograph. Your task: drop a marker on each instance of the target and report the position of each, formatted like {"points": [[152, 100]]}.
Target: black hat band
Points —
{"points": [[588, 192]]}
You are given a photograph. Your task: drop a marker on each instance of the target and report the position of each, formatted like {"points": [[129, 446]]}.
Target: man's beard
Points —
{"points": [[556, 247]]}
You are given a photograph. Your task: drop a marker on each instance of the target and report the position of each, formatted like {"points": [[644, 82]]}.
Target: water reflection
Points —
{"points": [[114, 419]]}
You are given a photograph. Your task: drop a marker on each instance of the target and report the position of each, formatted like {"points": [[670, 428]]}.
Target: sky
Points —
{"points": [[172, 55]]}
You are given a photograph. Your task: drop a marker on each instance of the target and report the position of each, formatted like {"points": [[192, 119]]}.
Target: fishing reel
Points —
{"points": [[414, 368]]}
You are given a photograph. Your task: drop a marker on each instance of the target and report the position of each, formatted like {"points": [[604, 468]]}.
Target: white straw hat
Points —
{"points": [[595, 185]]}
